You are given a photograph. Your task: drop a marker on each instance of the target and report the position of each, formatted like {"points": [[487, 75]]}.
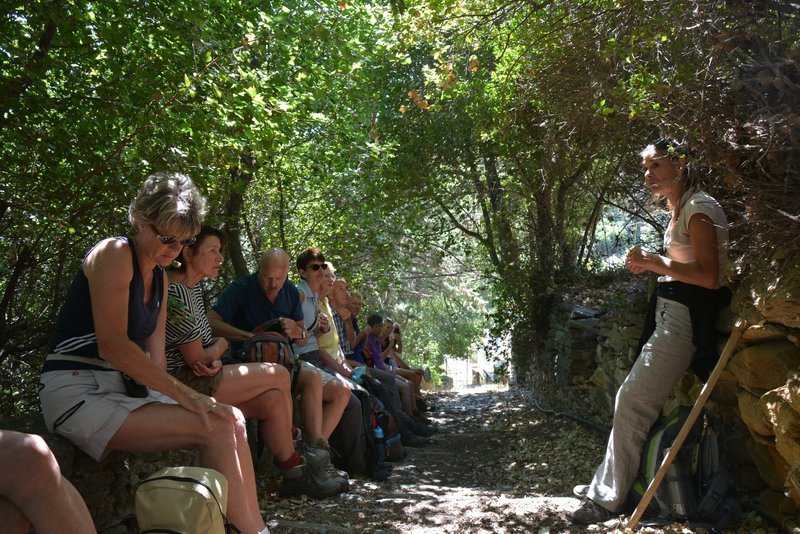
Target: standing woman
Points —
{"points": [[696, 241], [104, 385]]}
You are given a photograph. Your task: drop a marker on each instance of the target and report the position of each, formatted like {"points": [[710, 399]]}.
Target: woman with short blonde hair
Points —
{"points": [[104, 385]]}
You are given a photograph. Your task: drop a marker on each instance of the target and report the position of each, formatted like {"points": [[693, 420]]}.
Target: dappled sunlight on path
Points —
{"points": [[495, 466]]}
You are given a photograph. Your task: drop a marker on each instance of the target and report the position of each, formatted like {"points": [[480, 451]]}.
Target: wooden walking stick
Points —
{"points": [[705, 393]]}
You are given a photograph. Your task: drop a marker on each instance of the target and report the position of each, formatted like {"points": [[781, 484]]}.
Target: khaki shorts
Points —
{"points": [[326, 376], [88, 407]]}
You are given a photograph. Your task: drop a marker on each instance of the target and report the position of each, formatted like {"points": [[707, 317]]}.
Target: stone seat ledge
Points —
{"points": [[106, 486]]}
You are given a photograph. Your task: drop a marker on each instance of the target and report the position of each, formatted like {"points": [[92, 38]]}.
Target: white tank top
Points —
{"points": [[676, 238]]}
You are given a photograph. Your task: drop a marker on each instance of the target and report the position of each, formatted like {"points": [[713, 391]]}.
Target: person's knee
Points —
{"points": [[36, 454], [228, 430], [239, 421], [281, 373], [339, 391], [29, 455], [628, 395]]}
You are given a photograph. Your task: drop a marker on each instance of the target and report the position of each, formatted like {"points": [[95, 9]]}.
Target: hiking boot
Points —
{"points": [[590, 513], [407, 423], [313, 455], [420, 418], [323, 457], [380, 472], [299, 480], [421, 429], [409, 439], [581, 491], [327, 471], [318, 458]]}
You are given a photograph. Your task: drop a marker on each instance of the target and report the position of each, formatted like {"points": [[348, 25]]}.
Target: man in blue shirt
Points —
{"points": [[267, 294]]}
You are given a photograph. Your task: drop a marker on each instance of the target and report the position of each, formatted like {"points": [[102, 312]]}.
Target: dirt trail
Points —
{"points": [[495, 466]]}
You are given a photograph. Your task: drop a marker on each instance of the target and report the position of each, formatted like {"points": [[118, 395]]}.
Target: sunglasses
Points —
{"points": [[171, 239], [318, 266]]}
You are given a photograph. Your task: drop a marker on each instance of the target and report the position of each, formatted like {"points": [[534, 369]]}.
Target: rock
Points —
{"points": [[752, 415], [768, 404], [793, 391], [579, 312], [748, 478], [762, 333], [600, 402], [588, 324], [771, 465], [619, 377], [619, 339], [600, 379], [777, 298], [765, 366], [785, 422], [724, 396]]}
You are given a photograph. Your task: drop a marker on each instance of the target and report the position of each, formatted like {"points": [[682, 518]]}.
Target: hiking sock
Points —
{"points": [[293, 461]]}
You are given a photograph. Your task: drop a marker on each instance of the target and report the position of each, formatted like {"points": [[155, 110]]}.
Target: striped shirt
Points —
{"points": [[186, 321]]}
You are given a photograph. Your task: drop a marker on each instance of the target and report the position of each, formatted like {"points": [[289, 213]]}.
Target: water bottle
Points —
{"points": [[358, 373], [679, 488], [380, 444]]}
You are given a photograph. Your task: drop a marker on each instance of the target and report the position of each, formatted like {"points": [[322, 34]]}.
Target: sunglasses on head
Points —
{"points": [[318, 266], [171, 239]]}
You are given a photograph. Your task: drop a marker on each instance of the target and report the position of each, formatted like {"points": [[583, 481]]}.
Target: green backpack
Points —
{"points": [[697, 486]]}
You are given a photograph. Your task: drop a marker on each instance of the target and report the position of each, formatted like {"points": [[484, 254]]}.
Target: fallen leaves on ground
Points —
{"points": [[496, 466]]}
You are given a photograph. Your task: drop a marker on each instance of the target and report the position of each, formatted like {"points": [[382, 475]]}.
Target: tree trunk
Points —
{"points": [[241, 177]]}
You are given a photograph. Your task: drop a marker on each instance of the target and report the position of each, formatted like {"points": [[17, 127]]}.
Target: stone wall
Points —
{"points": [[766, 371], [593, 346], [107, 486]]}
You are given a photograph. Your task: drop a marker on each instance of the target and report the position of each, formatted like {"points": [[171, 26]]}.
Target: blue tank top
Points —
{"points": [[74, 332]]}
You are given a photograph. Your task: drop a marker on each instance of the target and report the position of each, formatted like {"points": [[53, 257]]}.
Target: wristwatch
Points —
{"points": [[303, 335]]}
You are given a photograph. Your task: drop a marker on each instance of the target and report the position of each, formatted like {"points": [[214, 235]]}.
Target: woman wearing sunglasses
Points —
{"points": [[104, 385]]}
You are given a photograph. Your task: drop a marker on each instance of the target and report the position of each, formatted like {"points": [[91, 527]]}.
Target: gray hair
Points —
{"points": [[167, 200]]}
